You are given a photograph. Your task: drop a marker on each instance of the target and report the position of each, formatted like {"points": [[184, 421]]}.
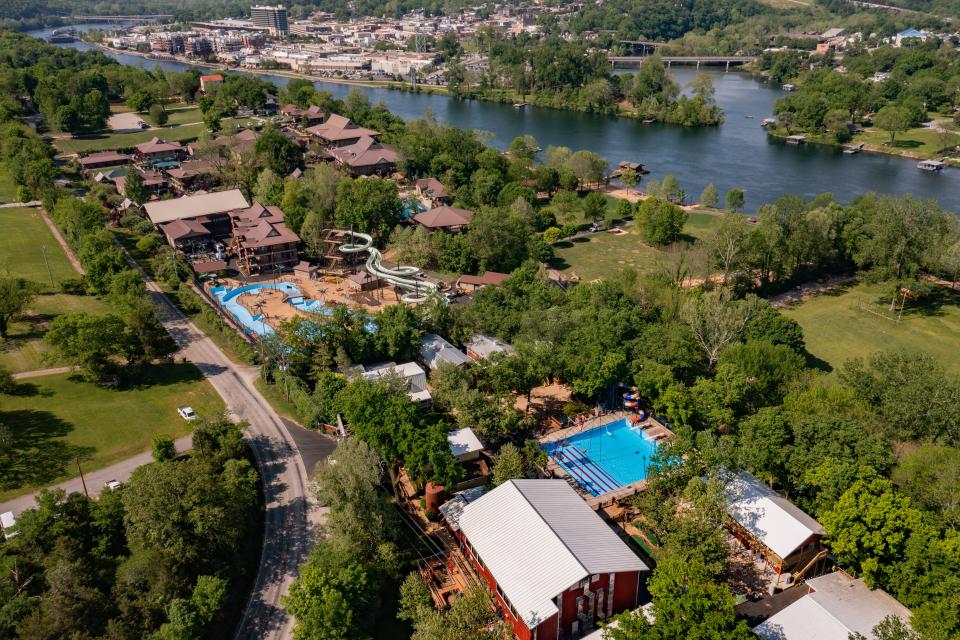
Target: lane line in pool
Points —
{"points": [[587, 471]]}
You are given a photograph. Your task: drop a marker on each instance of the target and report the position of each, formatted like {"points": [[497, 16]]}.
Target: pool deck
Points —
{"points": [[651, 426]]}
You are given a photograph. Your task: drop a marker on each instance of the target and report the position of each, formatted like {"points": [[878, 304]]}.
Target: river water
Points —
{"points": [[736, 154]]}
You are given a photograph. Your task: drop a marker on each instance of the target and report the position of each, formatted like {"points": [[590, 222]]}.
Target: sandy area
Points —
{"points": [[330, 290], [125, 122]]}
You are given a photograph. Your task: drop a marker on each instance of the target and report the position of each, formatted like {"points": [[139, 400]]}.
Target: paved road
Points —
{"points": [[292, 516], [95, 479]]}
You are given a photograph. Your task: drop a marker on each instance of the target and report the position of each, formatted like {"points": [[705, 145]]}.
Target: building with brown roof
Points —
{"points": [[262, 241], [153, 181], [445, 218], [339, 131], [488, 279], [157, 150], [191, 176], [104, 159], [433, 190], [366, 157], [312, 114], [183, 234]]}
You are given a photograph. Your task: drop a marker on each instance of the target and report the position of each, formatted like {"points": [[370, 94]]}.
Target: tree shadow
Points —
{"points": [[29, 390], [906, 144], [36, 453], [813, 362], [558, 263], [163, 374]]}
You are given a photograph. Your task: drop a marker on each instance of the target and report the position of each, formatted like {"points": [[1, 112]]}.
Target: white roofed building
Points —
{"points": [[761, 517], [195, 206], [464, 444], [435, 350], [555, 567], [413, 373], [836, 607]]}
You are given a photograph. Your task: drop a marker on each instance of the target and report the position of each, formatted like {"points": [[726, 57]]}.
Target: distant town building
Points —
{"points": [[272, 18]]}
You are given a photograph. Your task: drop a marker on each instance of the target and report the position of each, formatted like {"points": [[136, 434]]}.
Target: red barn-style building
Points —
{"points": [[555, 567]]}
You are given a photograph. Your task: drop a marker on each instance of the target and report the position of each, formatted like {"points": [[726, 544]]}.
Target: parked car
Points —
{"points": [[187, 413], [113, 485], [7, 523]]}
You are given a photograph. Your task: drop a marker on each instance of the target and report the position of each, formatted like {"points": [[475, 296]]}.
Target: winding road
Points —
{"points": [[292, 517]]}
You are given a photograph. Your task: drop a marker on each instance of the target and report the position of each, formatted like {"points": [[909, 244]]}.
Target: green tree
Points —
{"points": [[735, 199], [133, 187], [269, 189], [141, 100], [370, 205], [498, 239], [508, 464], [159, 115], [930, 475], [278, 152], [709, 197], [89, 342], [163, 448], [660, 222], [594, 206], [893, 120], [629, 177], [717, 321], [869, 527], [15, 295], [687, 603]]}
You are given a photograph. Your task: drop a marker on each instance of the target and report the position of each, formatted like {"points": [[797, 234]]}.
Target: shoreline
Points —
{"points": [[870, 148], [392, 85]]}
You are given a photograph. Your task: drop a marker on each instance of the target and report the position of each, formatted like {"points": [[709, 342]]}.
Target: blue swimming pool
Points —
{"points": [[604, 458], [228, 297]]}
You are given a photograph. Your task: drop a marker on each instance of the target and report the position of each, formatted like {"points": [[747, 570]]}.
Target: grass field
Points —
{"points": [[925, 142], [24, 349], [55, 418], [105, 141], [846, 323], [21, 254], [603, 254]]}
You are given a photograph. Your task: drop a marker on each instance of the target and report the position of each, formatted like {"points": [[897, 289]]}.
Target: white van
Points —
{"points": [[7, 523]]}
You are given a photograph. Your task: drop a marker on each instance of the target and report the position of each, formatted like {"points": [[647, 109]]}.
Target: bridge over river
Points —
{"points": [[727, 61]]}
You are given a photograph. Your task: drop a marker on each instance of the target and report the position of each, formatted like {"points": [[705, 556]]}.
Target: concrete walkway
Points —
{"points": [[20, 205], [39, 373]]}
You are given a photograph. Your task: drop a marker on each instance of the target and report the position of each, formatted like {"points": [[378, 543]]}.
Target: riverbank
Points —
{"points": [[868, 138], [496, 96]]}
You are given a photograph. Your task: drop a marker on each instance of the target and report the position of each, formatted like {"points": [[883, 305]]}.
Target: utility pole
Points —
{"points": [[43, 250], [80, 469]]}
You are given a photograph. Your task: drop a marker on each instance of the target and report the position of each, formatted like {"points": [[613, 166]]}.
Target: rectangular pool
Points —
{"points": [[604, 458]]}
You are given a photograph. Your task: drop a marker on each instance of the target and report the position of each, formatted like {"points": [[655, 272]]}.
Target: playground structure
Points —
{"points": [[407, 279]]}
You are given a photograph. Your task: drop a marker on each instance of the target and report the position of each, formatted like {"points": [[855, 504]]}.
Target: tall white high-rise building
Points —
{"points": [[272, 18]]}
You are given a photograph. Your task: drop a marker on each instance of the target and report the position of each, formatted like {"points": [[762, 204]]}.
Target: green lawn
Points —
{"points": [[839, 325], [24, 349], [55, 418], [921, 141], [184, 115], [22, 243], [106, 141], [603, 254]]}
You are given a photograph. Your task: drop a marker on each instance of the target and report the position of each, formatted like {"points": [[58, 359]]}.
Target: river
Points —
{"points": [[736, 154]]}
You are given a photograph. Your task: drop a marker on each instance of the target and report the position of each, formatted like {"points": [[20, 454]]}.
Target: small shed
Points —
{"points": [[464, 444], [304, 269], [489, 278], [363, 280], [481, 346]]}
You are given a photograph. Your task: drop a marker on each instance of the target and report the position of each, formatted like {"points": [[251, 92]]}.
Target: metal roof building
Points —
{"points": [[540, 541], [218, 202], [836, 607], [768, 517]]}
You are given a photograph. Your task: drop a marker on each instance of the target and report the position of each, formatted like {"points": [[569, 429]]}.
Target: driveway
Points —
{"points": [[125, 122]]}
